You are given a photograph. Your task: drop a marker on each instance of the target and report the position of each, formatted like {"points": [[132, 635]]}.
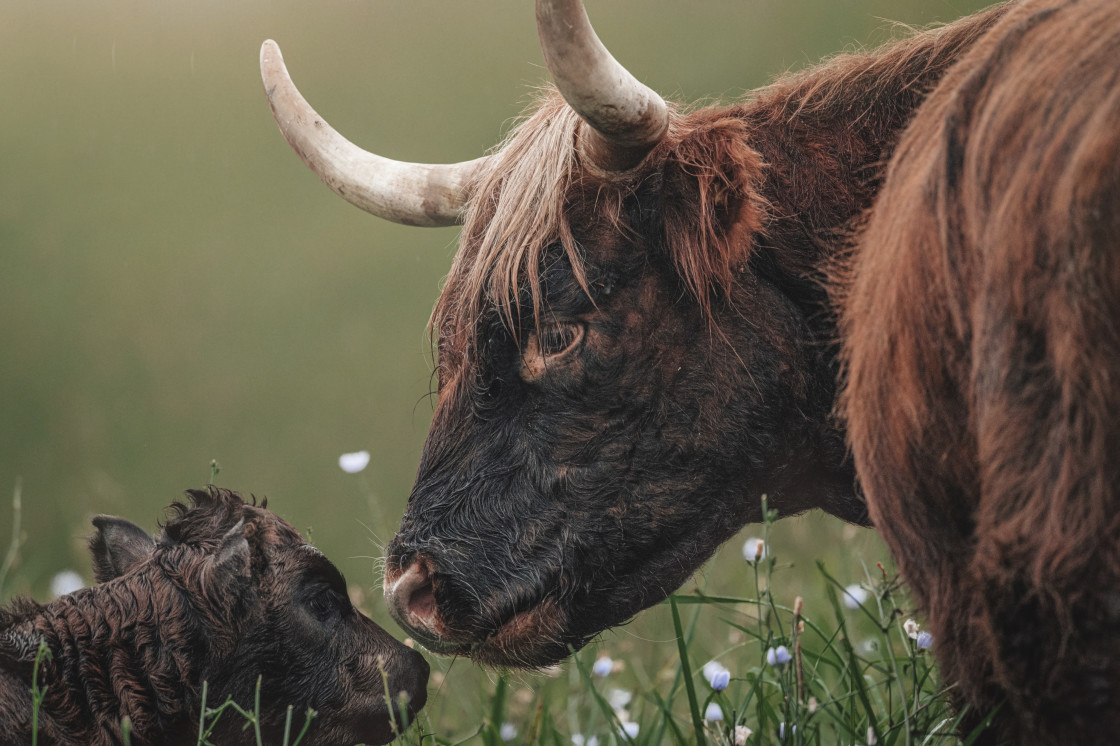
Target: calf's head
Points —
{"points": [[617, 382], [257, 600]]}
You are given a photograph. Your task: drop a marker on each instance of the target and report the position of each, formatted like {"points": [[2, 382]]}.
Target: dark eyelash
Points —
{"points": [[556, 339], [325, 603]]}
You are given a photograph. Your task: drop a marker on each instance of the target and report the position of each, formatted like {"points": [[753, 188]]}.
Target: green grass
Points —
{"points": [[850, 674]]}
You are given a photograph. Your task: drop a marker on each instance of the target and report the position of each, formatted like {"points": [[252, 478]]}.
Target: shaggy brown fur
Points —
{"points": [[628, 361], [982, 337], [227, 593]]}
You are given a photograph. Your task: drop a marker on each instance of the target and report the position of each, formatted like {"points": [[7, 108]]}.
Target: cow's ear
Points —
{"points": [[117, 547], [710, 205]]}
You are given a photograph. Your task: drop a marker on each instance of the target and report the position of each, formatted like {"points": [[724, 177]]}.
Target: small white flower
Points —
{"points": [[713, 713], [66, 582], [579, 740], [602, 665], [924, 641], [742, 733], [754, 549], [782, 731], [711, 668], [855, 595], [871, 739], [778, 656], [911, 628], [631, 730], [352, 463], [619, 698], [508, 731]]}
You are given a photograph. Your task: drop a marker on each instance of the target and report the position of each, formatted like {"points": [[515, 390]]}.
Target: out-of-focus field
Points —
{"points": [[176, 287]]}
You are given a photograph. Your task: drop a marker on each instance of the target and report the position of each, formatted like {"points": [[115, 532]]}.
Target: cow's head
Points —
{"points": [[618, 384]]}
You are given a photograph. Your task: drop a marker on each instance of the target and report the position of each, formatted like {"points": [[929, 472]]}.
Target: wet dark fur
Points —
{"points": [[227, 593], [982, 338]]}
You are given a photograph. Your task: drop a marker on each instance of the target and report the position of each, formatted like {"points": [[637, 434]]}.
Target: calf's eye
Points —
{"points": [[324, 604], [551, 341]]}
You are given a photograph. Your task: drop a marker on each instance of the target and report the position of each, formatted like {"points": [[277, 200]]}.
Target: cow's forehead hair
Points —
{"points": [[517, 210]]}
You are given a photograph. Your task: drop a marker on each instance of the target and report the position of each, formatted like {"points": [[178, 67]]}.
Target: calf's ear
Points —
{"points": [[227, 574], [710, 205], [232, 556], [117, 547]]}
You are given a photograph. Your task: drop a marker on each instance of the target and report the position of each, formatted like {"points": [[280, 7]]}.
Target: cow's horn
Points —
{"points": [[628, 118], [409, 193]]}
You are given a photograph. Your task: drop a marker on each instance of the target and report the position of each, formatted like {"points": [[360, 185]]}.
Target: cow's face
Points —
{"points": [[621, 372], [586, 458]]}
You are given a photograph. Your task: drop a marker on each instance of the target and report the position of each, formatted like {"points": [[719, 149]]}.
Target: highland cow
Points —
{"points": [[226, 594], [650, 316]]}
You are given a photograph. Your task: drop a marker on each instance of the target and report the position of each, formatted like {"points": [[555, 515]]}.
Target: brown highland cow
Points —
{"points": [[888, 286], [228, 592]]}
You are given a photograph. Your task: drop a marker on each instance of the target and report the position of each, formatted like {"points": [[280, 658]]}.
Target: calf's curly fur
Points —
{"points": [[227, 593]]}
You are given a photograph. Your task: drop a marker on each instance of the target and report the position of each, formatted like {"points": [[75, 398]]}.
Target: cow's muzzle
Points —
{"points": [[522, 638], [411, 598]]}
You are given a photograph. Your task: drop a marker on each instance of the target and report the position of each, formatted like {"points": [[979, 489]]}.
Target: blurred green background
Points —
{"points": [[176, 287]]}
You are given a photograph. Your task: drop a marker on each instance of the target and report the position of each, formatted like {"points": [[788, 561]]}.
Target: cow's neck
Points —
{"points": [[113, 653], [825, 135]]}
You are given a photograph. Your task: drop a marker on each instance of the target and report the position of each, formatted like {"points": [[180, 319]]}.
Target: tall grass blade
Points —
{"points": [[686, 673]]}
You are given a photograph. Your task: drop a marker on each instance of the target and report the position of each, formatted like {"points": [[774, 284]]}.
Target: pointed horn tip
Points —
{"points": [[270, 51]]}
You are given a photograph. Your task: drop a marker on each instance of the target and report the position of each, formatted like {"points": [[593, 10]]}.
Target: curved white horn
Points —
{"points": [[628, 117], [409, 193]]}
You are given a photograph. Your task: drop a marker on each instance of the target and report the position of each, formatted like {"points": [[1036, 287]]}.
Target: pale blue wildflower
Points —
{"points": [[713, 713], [602, 666], [508, 731], [924, 641], [720, 681], [715, 671], [630, 729], [778, 656]]}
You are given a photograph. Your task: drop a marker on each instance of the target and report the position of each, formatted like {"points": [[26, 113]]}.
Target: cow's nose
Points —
{"points": [[410, 596]]}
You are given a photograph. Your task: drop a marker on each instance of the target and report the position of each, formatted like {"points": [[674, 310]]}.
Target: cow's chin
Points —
{"points": [[529, 639]]}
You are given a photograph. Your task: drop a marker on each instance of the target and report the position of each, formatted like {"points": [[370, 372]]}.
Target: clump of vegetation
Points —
{"points": [[857, 672]]}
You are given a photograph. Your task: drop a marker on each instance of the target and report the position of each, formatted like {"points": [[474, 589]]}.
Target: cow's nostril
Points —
{"points": [[422, 601], [411, 598]]}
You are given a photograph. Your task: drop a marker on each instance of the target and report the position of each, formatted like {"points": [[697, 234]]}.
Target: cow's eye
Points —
{"points": [[551, 341], [557, 338]]}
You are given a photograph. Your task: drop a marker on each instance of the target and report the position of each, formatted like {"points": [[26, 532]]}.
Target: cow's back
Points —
{"points": [[982, 343]]}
